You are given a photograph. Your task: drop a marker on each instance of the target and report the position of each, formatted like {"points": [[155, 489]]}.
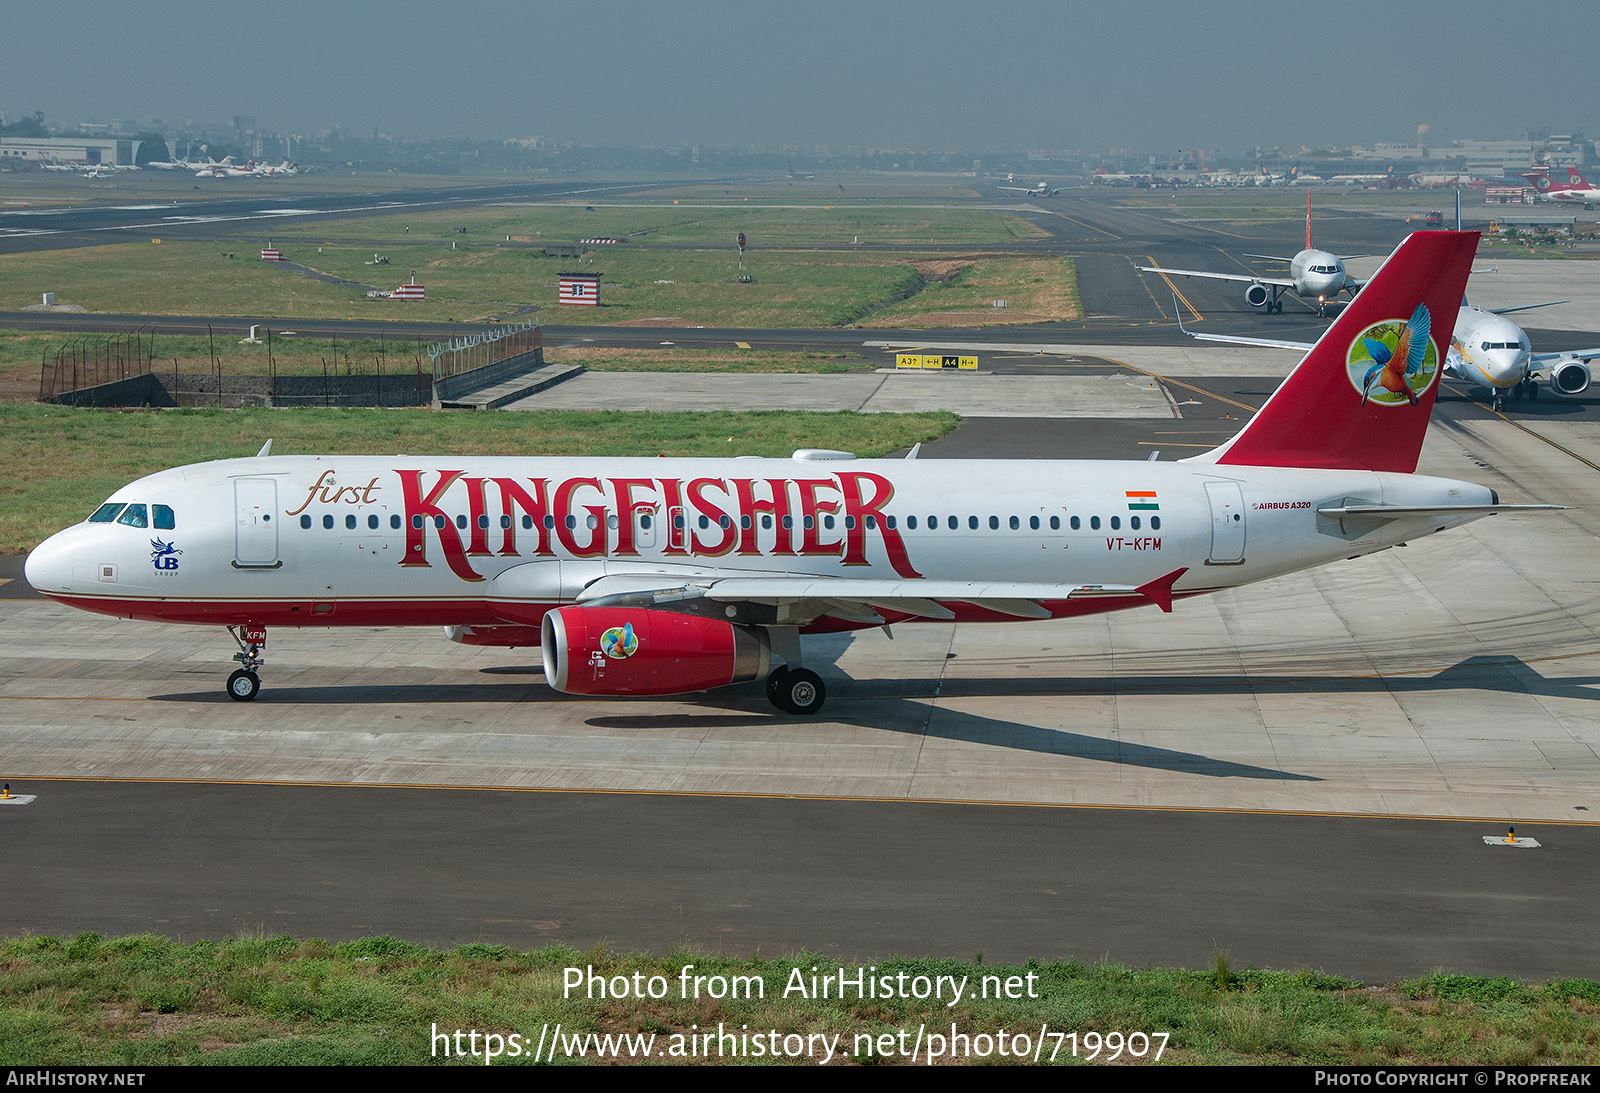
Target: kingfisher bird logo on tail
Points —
{"points": [[1395, 370], [1361, 398]]}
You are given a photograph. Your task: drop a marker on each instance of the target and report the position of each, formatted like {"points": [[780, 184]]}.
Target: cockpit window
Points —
{"points": [[106, 512], [135, 517], [163, 517]]}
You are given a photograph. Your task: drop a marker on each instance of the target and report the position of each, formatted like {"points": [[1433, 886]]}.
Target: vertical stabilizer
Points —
{"points": [[1362, 397]]}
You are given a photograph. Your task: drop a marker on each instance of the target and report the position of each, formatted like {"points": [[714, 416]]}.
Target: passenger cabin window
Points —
{"points": [[135, 517], [106, 512]]}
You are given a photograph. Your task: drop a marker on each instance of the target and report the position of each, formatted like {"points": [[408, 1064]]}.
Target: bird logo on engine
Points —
{"points": [[619, 642]]}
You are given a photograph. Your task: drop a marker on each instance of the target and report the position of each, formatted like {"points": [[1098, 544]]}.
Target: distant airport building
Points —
{"points": [[106, 151], [579, 289]]}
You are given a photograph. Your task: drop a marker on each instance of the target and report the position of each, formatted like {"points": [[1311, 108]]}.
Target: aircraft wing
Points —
{"points": [[1246, 278], [1524, 307], [801, 600], [1270, 257], [1236, 339], [1541, 360]]}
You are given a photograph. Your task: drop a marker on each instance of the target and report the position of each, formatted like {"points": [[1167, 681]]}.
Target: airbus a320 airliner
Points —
{"points": [[668, 576]]}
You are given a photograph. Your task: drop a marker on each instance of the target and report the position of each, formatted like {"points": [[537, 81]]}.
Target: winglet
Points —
{"points": [[266, 449], [1159, 591]]}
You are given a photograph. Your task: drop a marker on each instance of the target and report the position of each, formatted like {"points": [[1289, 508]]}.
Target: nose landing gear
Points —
{"points": [[245, 683]]}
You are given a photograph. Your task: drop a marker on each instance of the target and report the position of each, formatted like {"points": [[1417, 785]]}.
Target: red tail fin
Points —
{"points": [[1362, 396], [1576, 181]]}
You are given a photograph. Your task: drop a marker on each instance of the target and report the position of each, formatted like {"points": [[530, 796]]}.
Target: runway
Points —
{"points": [[1299, 773]]}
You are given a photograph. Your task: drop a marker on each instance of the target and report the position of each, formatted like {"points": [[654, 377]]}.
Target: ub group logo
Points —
{"points": [[164, 555], [1392, 362], [619, 642]]}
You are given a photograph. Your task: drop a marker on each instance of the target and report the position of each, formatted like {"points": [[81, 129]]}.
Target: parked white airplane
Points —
{"points": [[654, 577], [1313, 274], [1576, 190]]}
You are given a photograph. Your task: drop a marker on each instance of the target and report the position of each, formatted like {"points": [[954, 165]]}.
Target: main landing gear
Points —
{"points": [[245, 683], [796, 690], [790, 687]]}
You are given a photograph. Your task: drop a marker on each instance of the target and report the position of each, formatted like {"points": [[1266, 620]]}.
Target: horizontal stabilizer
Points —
{"points": [[1403, 512]]}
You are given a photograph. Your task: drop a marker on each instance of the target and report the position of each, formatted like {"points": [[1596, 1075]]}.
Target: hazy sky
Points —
{"points": [[1225, 74]]}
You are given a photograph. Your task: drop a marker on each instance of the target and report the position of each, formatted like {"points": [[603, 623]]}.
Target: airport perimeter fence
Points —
{"points": [[130, 369], [474, 352]]}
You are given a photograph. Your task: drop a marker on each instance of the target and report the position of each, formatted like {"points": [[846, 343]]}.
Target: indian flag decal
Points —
{"points": [[1142, 499]]}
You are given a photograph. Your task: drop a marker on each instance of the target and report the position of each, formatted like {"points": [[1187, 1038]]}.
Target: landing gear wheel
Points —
{"points": [[775, 687], [243, 686], [1533, 390], [801, 691], [1499, 402], [1516, 392]]}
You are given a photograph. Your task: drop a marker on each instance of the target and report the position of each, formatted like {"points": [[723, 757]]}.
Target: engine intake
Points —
{"points": [[634, 651], [1256, 294], [1569, 376]]}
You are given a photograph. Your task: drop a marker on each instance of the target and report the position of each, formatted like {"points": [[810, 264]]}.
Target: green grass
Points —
{"points": [[62, 462], [711, 225], [698, 287], [147, 1000], [1035, 290], [689, 287]]}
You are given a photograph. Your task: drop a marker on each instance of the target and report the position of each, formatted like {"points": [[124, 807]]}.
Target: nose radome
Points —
{"points": [[49, 566]]}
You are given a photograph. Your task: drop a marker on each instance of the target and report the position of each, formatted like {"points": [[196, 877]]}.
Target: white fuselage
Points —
{"points": [[360, 540], [1576, 196], [1488, 349], [1317, 274]]}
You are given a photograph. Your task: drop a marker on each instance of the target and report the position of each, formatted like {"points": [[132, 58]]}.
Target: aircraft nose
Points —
{"points": [[49, 567]]}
